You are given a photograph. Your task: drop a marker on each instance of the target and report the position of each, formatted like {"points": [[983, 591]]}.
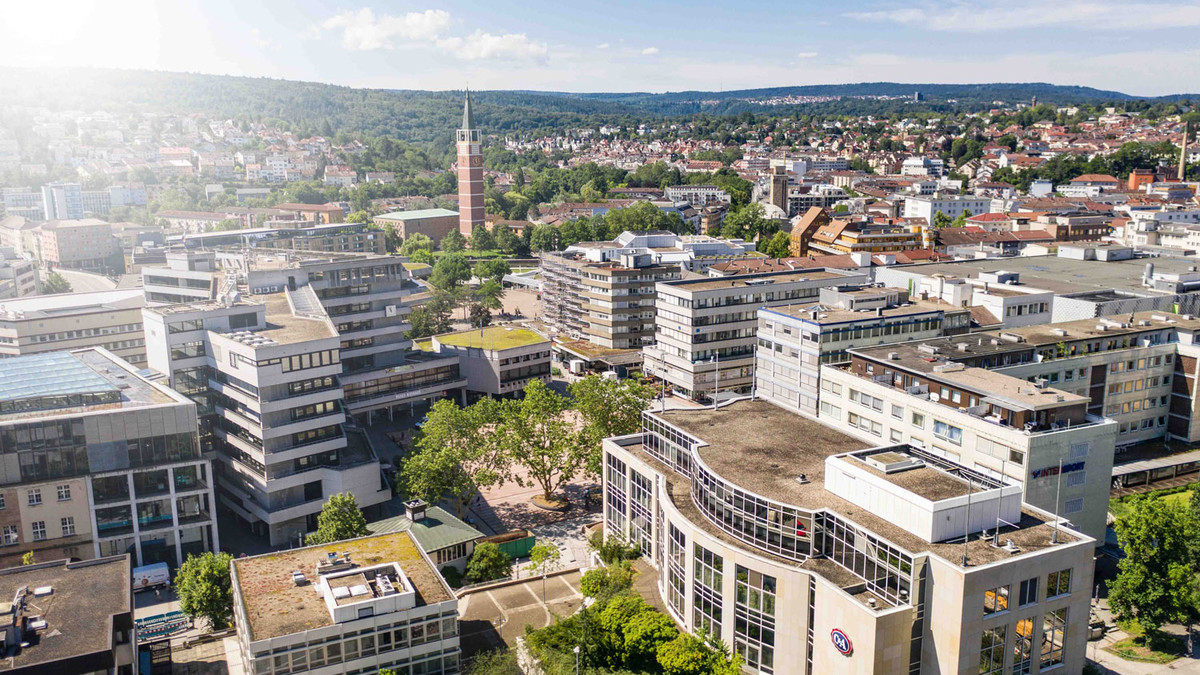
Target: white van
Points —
{"points": [[151, 576]]}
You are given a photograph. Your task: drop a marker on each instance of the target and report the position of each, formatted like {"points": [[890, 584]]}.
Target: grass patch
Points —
{"points": [[1180, 494], [1157, 647]]}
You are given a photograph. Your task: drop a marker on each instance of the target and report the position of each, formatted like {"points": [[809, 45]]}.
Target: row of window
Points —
{"points": [[994, 643], [997, 599], [12, 534], [88, 332], [1135, 406], [1138, 385]]}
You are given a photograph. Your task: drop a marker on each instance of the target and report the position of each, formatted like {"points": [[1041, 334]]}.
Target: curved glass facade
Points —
{"points": [[772, 526]]}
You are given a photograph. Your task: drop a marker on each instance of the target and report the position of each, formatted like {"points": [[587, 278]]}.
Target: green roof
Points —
{"points": [[438, 530], [493, 337], [418, 214]]}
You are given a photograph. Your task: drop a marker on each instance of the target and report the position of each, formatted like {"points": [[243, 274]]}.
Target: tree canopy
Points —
{"points": [[204, 588], [340, 519]]}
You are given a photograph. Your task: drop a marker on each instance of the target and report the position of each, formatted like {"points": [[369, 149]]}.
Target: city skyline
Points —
{"points": [[552, 46]]}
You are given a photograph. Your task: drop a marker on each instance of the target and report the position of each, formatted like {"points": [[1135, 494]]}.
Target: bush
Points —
{"points": [[452, 576], [612, 549], [499, 662], [488, 562], [605, 581]]}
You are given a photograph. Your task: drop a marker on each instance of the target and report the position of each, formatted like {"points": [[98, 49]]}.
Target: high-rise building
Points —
{"points": [[99, 461], [470, 173], [62, 201]]}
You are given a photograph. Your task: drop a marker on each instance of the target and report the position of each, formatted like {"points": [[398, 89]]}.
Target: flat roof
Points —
{"points": [[276, 606], [763, 448], [63, 304], [827, 314], [492, 337], [287, 328], [1062, 275], [925, 481], [83, 371], [752, 280], [417, 214], [78, 613]]}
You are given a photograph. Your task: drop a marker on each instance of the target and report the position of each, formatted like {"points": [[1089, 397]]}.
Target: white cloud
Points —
{"points": [[603, 45], [980, 17], [650, 51], [363, 31], [481, 45], [806, 55]]}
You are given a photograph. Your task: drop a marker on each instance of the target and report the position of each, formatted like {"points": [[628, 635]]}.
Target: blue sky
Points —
{"points": [[1147, 48]]}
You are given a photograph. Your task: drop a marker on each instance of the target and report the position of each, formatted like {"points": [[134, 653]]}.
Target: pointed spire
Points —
{"points": [[468, 122]]}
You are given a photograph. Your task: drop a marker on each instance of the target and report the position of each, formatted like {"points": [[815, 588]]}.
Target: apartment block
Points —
{"points": [[99, 461], [809, 551], [953, 206], [359, 607], [51, 323], [795, 340], [86, 244], [18, 276], [189, 276], [703, 325]]}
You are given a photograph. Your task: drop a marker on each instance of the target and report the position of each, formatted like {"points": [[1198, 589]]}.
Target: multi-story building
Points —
{"points": [[268, 384], [840, 236], [807, 551], [703, 325], [1044, 438], [332, 238], [18, 276], [100, 462], [24, 202], [953, 206], [86, 614], [697, 195], [497, 360], [608, 301], [359, 607], [52, 323], [21, 235], [86, 244], [794, 341], [189, 276], [433, 223], [62, 201]]}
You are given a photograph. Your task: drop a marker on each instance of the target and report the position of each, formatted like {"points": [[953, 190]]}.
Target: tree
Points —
{"points": [[482, 239], [228, 224], [602, 582], [779, 245], [608, 408], [544, 238], [489, 562], [489, 295], [415, 242], [479, 316], [540, 435], [492, 269], [450, 270], [340, 518], [453, 242], [543, 559], [644, 634], [359, 217], [55, 283], [204, 588], [431, 318], [941, 220], [458, 453], [507, 241], [422, 256], [497, 662], [961, 220], [1155, 582], [27, 559], [744, 222]]}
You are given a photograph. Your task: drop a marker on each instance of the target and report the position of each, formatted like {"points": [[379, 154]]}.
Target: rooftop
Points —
{"points": [[439, 529], [1061, 275], [415, 215], [284, 327], [78, 611], [492, 337], [754, 444], [827, 314], [276, 606], [49, 306], [709, 283], [85, 380]]}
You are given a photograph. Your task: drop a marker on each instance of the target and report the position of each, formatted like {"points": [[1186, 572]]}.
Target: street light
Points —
{"points": [[576, 650], [717, 384]]}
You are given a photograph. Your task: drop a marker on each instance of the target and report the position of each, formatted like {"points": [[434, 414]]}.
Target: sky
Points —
{"points": [[1143, 48]]}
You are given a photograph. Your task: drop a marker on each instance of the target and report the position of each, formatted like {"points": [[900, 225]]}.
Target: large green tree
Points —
{"points": [[458, 453], [542, 435], [453, 242], [204, 588], [340, 519], [451, 270], [415, 242], [1156, 580], [608, 408], [55, 283], [488, 562]]}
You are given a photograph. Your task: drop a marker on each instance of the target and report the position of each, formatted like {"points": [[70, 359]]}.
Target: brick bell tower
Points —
{"points": [[470, 173]]}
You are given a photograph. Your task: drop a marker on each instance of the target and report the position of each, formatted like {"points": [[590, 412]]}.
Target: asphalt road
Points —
{"points": [[85, 282]]}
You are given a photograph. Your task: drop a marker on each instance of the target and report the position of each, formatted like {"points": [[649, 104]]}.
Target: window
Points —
{"points": [[1029, 592], [898, 412], [68, 526], [1073, 505], [676, 568], [39, 530], [11, 535], [754, 620], [918, 420], [991, 650], [1058, 583], [1054, 636], [64, 493], [996, 600], [35, 496], [1079, 450], [1076, 478], [1, 501], [706, 591], [948, 432]]}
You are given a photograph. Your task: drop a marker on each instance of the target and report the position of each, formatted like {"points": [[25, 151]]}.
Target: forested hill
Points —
{"points": [[424, 116]]}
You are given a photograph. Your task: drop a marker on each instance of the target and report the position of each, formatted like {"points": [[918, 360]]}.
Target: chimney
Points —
{"points": [[415, 509]]}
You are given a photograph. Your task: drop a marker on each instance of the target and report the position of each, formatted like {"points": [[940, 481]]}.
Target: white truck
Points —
{"points": [[151, 576]]}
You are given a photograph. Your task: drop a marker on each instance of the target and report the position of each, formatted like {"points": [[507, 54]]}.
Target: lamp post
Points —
{"points": [[576, 650], [717, 374]]}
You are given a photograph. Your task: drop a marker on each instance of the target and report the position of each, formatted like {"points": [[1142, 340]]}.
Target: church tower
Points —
{"points": [[470, 173]]}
